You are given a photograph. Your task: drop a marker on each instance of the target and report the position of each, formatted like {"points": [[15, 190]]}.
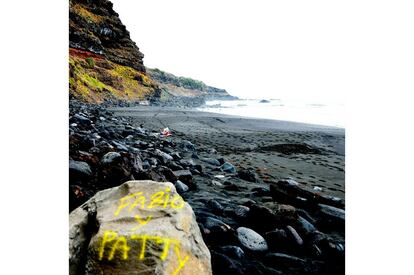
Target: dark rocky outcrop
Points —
{"points": [[95, 27]]}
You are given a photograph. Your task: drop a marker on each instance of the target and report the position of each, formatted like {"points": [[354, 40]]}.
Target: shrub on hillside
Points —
{"points": [[90, 62]]}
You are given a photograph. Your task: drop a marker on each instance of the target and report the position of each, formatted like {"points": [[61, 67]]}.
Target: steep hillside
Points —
{"points": [[104, 63], [184, 89]]}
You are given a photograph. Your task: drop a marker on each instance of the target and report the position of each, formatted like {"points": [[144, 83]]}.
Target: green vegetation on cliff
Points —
{"points": [[174, 86], [184, 82], [104, 63], [96, 79]]}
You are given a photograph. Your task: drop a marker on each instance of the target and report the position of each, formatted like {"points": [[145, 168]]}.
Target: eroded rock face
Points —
{"points": [[139, 227], [94, 26]]}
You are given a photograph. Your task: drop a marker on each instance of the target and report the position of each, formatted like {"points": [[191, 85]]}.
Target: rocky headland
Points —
{"points": [[184, 91]]}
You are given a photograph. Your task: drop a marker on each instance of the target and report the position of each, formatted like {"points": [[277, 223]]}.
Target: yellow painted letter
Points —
{"points": [[139, 200], [108, 236], [141, 222], [124, 202], [120, 244], [156, 199], [142, 253], [166, 242], [181, 262], [180, 202]]}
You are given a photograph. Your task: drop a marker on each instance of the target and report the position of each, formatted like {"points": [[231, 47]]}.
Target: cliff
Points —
{"points": [[104, 63]]}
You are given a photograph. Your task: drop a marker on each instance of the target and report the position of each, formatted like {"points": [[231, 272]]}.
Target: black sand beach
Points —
{"points": [[253, 143], [277, 182]]}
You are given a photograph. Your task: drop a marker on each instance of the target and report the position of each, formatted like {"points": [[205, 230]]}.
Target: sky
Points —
{"points": [[253, 49]]}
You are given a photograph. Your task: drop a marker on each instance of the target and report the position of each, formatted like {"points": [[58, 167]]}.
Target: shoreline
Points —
{"points": [[282, 123], [303, 111]]}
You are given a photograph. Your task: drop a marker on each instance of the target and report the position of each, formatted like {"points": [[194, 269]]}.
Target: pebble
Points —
{"points": [[187, 162], [248, 175], [228, 167], [211, 161], [333, 212], [251, 240], [306, 226], [186, 177], [277, 239], [187, 145], [164, 156], [215, 206], [233, 251], [216, 183], [317, 188], [110, 158], [181, 187], [294, 234], [216, 224], [284, 260], [120, 146], [82, 119], [80, 168], [241, 211]]}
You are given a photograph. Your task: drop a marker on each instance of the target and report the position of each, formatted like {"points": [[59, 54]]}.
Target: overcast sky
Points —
{"points": [[253, 49]]}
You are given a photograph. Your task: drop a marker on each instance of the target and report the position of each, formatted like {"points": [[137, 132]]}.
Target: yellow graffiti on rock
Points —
{"points": [[113, 244], [161, 199], [141, 222], [118, 245]]}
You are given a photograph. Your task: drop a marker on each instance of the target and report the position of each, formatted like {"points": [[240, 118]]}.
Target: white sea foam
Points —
{"points": [[314, 112]]}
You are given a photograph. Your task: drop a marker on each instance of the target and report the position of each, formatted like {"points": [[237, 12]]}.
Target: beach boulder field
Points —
{"points": [[130, 197], [137, 227]]}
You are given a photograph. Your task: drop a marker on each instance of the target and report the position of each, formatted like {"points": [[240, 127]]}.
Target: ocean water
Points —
{"points": [[313, 112]]}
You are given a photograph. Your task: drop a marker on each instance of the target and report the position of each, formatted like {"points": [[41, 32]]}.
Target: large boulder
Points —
{"points": [[138, 227]]}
